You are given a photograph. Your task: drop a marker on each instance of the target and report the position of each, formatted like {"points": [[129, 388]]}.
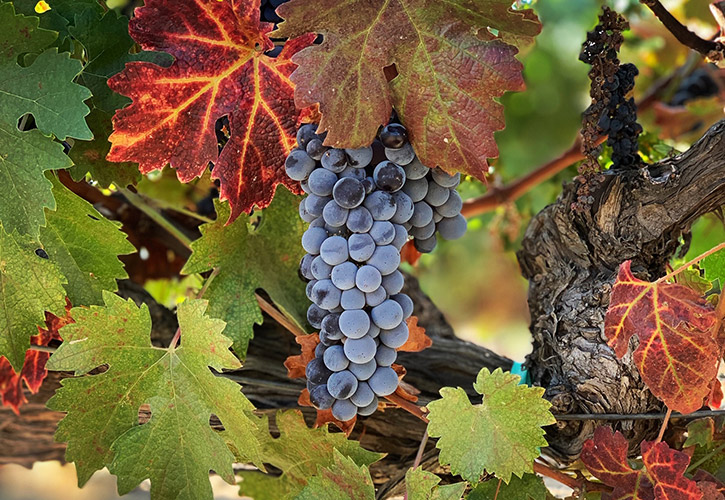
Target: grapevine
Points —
{"points": [[226, 248]]}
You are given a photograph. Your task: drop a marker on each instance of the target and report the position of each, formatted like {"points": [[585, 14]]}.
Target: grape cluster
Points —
{"points": [[610, 112], [700, 83], [361, 206], [619, 119]]}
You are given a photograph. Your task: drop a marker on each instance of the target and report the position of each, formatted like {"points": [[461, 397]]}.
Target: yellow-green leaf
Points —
{"points": [[502, 435]]}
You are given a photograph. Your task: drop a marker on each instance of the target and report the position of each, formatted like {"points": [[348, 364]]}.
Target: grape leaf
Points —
{"points": [[177, 447], [296, 363], [528, 487], [90, 156], [46, 90], [85, 246], [709, 452], [343, 480], [33, 372], [502, 435], [714, 399], [662, 477], [247, 258], [24, 191], [423, 485], [677, 355], [29, 286], [220, 70], [61, 15], [417, 338], [298, 452], [692, 278], [711, 487], [107, 45], [20, 34], [714, 266], [450, 71], [700, 432], [261, 486]]}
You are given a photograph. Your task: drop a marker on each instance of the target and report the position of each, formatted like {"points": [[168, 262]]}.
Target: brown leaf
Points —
{"points": [[417, 339], [296, 364], [409, 254]]}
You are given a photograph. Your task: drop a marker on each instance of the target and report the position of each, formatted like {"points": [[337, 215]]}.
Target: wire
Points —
{"points": [[638, 416]]}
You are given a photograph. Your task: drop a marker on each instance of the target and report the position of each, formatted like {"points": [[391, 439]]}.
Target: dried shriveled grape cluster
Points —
{"points": [[610, 112], [362, 206]]}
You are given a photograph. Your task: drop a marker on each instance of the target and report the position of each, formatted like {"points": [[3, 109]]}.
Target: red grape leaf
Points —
{"points": [[662, 477], [714, 399], [711, 487], [33, 371], [677, 354], [404, 389], [409, 253], [450, 71], [220, 69]]}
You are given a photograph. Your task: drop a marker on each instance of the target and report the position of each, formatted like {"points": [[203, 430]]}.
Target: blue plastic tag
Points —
{"points": [[520, 370]]}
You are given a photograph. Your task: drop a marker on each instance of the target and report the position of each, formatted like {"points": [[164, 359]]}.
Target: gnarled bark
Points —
{"points": [[571, 257]]}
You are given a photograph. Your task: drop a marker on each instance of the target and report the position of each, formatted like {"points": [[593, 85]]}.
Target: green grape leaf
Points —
{"points": [[89, 157], [344, 480], [423, 485], [46, 90], [20, 34], [298, 452], [177, 447], [714, 266], [107, 44], [528, 487], [85, 245], [709, 453], [24, 190], [700, 432], [247, 258], [29, 286], [260, 486], [61, 15], [691, 278], [502, 435]]}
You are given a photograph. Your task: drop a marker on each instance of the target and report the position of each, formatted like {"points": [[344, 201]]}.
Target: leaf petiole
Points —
{"points": [[697, 259]]}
